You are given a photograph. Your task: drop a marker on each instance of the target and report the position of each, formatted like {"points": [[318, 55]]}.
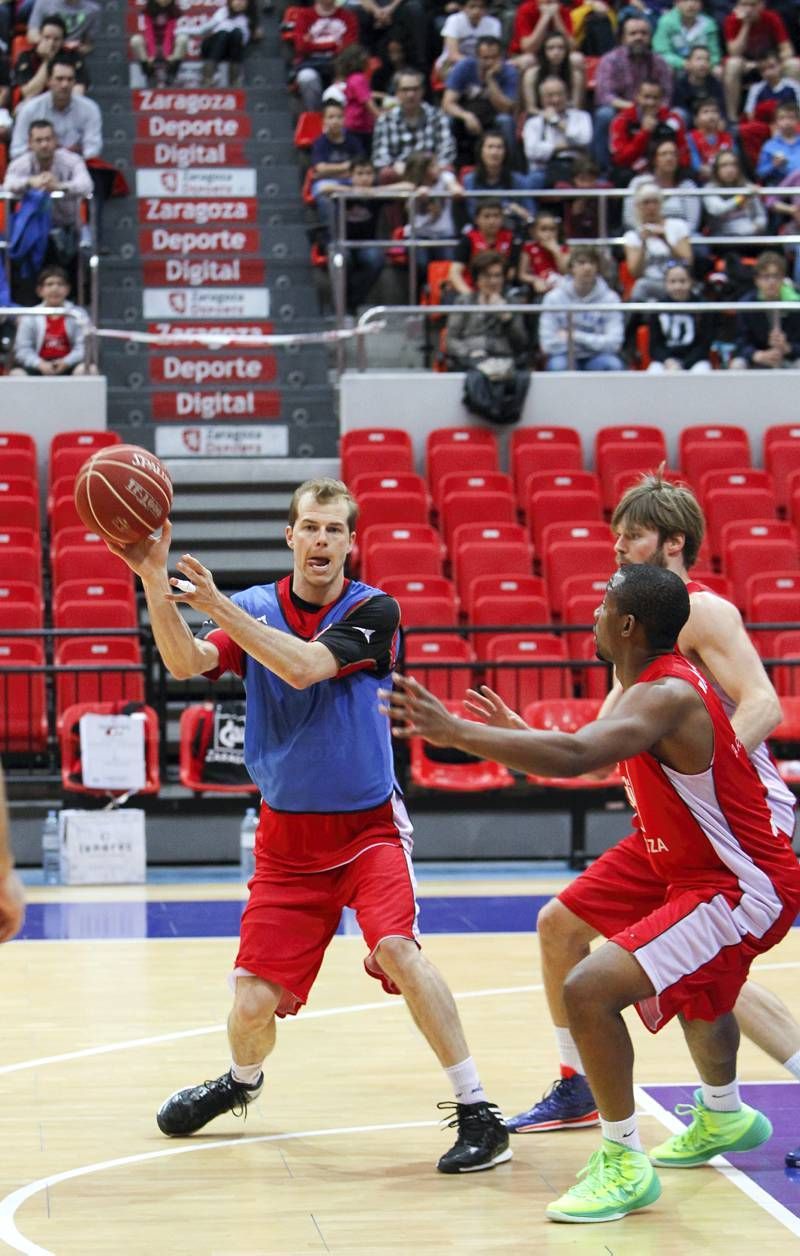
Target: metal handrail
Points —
{"points": [[376, 312]]}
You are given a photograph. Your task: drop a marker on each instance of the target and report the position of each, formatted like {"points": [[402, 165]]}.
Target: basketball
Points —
{"points": [[123, 492]]}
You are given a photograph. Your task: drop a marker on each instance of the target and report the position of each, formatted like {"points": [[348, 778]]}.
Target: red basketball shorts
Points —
{"points": [[290, 918], [686, 940]]}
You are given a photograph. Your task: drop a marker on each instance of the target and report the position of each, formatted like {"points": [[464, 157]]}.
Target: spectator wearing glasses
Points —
{"points": [[415, 126], [620, 73]]}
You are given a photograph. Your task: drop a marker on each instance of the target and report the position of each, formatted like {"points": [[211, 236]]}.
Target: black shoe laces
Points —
{"points": [[468, 1116], [226, 1087]]}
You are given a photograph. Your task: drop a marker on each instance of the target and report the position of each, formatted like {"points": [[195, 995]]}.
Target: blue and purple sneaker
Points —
{"points": [[568, 1104]]}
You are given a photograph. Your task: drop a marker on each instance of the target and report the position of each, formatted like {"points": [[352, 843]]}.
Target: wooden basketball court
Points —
{"points": [[338, 1154]]}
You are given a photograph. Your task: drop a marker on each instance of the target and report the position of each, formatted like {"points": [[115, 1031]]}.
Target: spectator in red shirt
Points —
{"points": [[620, 74], [51, 344], [487, 235], [707, 139], [635, 130], [320, 34], [543, 259], [750, 31], [533, 23]]}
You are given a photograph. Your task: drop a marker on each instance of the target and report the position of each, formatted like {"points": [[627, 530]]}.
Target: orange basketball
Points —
{"points": [[123, 492]]}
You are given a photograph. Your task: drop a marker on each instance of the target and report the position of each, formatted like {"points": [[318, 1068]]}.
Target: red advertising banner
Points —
{"points": [[198, 126], [196, 212], [190, 156], [188, 102], [221, 404], [228, 271], [233, 367], [189, 240]]}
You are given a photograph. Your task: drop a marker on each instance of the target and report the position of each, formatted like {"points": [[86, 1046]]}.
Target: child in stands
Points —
{"points": [[707, 139], [361, 106], [543, 260], [489, 233], [51, 344], [224, 38], [160, 45]]}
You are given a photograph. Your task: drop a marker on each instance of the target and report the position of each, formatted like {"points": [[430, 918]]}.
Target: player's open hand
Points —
{"points": [[490, 708], [12, 906], [195, 585], [415, 712]]}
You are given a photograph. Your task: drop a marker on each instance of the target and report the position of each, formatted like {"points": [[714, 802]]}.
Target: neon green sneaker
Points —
{"points": [[616, 1181], [711, 1134]]}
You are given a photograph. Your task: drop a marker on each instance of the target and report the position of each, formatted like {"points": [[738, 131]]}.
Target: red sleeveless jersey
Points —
{"points": [[713, 830]]}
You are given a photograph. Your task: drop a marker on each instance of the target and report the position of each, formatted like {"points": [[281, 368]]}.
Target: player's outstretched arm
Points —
{"points": [[183, 654], [12, 896], [299, 663], [715, 633], [643, 716]]}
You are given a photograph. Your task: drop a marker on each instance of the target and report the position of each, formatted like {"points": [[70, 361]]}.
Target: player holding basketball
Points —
{"points": [[333, 832], [730, 883], [661, 524], [12, 895]]}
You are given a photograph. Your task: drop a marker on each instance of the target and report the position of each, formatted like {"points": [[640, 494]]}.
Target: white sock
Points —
{"points": [[569, 1057], [722, 1098], [465, 1081], [792, 1065], [247, 1074], [626, 1133]]}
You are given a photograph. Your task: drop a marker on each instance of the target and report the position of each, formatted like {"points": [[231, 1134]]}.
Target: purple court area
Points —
{"points": [[780, 1101]]}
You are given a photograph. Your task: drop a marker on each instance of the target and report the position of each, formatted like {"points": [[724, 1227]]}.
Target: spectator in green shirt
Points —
{"points": [[682, 28]]}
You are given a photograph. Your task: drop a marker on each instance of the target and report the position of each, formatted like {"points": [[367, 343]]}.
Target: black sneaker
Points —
{"points": [[189, 1110], [482, 1138], [792, 1159]]}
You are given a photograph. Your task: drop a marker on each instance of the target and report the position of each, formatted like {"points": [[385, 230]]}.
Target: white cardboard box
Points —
{"points": [[102, 847]]}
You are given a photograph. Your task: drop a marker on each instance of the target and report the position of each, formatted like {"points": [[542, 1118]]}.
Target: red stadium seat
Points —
{"points": [[728, 505], [568, 716], [496, 532], [19, 615], [65, 463], [87, 590], [425, 602], [85, 442], [713, 434], [590, 530], [21, 512], [623, 480], [20, 553], [469, 458], [581, 597], [758, 530], [615, 458], [98, 669], [476, 507], [735, 477], [747, 558], [381, 437], [451, 770], [779, 433], [70, 743], [459, 436], [471, 482], [787, 679], [63, 514], [434, 661], [22, 593], [20, 441], [528, 674], [502, 587], [708, 446], [23, 702], [195, 732], [476, 559], [782, 460], [399, 550], [564, 558], [632, 434], [307, 129], [402, 483], [387, 507], [18, 462], [527, 460], [560, 504], [543, 434], [713, 581], [90, 562], [94, 614], [378, 459], [527, 612], [596, 679]]}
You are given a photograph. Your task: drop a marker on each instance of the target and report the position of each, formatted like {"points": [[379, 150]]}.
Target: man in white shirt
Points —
{"points": [[558, 132]]}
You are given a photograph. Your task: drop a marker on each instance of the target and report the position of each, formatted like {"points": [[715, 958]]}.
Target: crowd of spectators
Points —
{"points": [[691, 108], [51, 143]]}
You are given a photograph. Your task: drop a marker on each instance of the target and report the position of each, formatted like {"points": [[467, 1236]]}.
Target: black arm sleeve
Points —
{"points": [[366, 638]]}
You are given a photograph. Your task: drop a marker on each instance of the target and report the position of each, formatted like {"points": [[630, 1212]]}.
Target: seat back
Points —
{"points": [[376, 458], [98, 669], [469, 459], [476, 507], [436, 768], [70, 744], [564, 558], [23, 702], [786, 680], [199, 723], [478, 559], [434, 662], [746, 558], [530, 666], [559, 506], [726, 505], [502, 587]]}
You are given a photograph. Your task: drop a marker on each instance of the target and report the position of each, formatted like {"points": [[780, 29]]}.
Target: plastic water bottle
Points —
{"points": [[51, 850], [247, 844]]}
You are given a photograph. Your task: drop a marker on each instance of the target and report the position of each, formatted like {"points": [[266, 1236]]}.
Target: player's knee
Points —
{"points": [[255, 1003], [560, 928], [397, 956], [580, 993]]}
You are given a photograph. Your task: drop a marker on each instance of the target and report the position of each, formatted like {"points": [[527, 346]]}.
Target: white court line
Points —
{"points": [[10, 1234], [132, 1043], [735, 1176]]}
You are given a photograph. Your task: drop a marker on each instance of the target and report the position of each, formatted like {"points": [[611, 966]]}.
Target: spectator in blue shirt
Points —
{"points": [[780, 156], [332, 155], [481, 94]]}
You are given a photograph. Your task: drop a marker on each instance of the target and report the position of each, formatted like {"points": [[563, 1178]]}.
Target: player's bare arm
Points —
{"points": [[299, 663], [12, 896], [183, 654], [645, 718], [715, 637]]}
